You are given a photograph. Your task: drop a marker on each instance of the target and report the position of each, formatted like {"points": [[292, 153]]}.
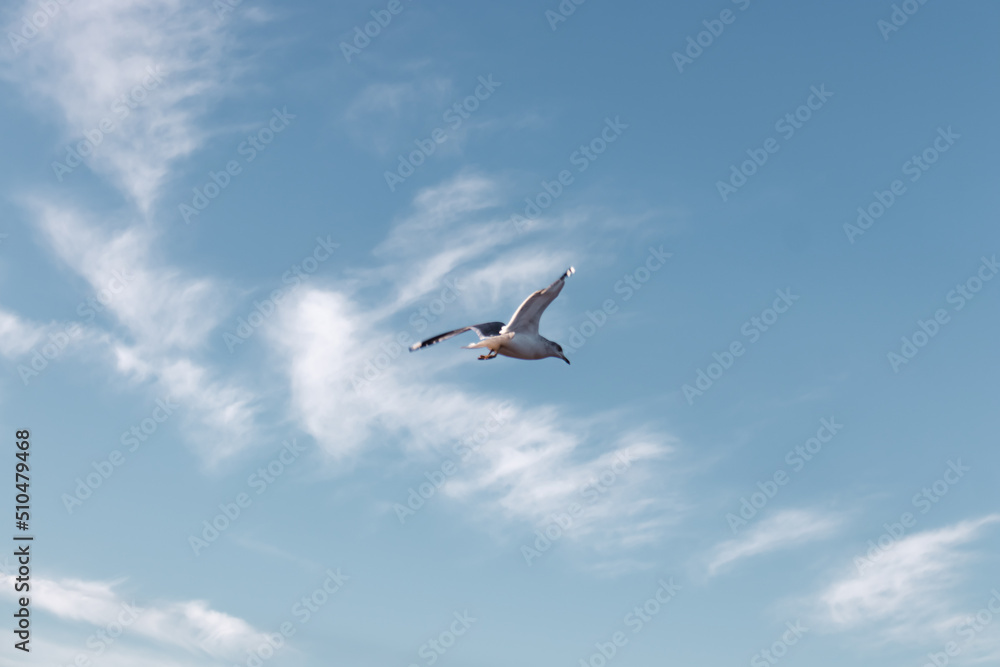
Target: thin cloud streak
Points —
{"points": [[191, 625], [789, 528], [905, 591]]}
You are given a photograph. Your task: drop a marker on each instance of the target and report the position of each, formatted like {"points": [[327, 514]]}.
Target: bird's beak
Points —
{"points": [[564, 359]]}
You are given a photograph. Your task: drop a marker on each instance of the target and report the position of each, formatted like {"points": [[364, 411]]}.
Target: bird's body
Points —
{"points": [[519, 338], [518, 346]]}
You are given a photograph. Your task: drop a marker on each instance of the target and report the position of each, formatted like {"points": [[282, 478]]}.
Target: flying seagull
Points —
{"points": [[519, 338]]}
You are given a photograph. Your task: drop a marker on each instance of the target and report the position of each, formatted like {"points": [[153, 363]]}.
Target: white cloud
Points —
{"points": [[167, 317], [156, 302], [97, 52], [152, 68], [459, 224], [382, 114], [531, 467], [33, 346], [907, 587], [538, 462], [788, 528], [46, 651], [190, 625], [17, 336]]}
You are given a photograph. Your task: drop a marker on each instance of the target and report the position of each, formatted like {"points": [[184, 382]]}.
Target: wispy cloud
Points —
{"points": [[166, 317], [906, 591], [191, 625], [94, 64], [533, 467], [157, 303], [786, 529], [461, 224], [134, 80], [540, 460], [17, 335], [382, 114]]}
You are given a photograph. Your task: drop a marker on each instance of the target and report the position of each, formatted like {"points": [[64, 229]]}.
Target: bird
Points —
{"points": [[519, 338]]}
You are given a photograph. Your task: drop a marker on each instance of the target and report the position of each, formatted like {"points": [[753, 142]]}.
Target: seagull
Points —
{"points": [[519, 338]]}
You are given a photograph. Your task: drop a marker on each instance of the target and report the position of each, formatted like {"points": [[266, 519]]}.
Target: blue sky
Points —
{"points": [[222, 225]]}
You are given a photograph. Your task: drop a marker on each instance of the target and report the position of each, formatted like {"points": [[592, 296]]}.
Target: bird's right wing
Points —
{"points": [[485, 330], [528, 313]]}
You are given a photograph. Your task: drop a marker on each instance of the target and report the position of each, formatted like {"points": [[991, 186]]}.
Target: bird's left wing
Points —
{"points": [[526, 316], [484, 330]]}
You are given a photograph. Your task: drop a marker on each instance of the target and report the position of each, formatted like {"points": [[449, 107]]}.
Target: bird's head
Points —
{"points": [[557, 351]]}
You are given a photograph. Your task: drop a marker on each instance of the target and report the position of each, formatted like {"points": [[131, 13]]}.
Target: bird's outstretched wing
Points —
{"points": [[526, 316], [485, 330]]}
